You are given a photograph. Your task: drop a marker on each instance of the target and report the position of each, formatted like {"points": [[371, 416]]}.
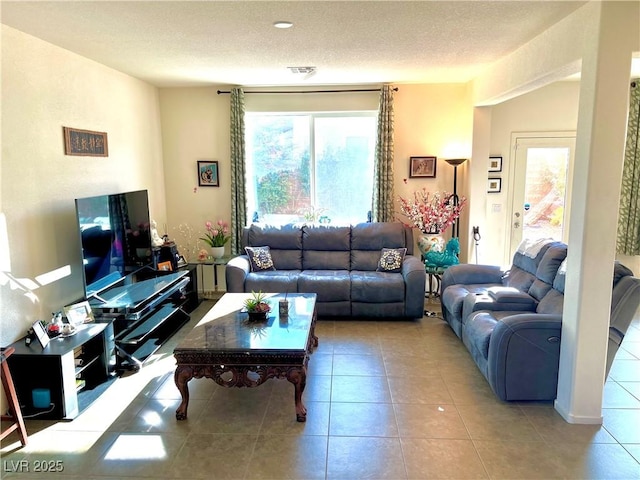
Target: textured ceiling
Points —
{"points": [[185, 43]]}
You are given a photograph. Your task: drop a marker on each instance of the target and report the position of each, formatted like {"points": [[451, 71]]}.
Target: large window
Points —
{"points": [[310, 166]]}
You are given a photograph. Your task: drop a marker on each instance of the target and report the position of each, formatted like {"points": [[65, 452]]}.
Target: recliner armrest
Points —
{"points": [[414, 279], [511, 295], [237, 270], [475, 302], [524, 353], [469, 274]]}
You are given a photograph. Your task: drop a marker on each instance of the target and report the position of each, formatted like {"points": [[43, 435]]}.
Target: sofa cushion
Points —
{"points": [[551, 261], [282, 237], [285, 242], [259, 258], [561, 275], [391, 260], [368, 239], [547, 270], [526, 261], [375, 236], [519, 279], [551, 303], [620, 271], [276, 281], [377, 287], [329, 285], [326, 247]]}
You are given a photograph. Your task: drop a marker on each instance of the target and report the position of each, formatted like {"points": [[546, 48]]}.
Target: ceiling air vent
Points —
{"points": [[303, 70]]}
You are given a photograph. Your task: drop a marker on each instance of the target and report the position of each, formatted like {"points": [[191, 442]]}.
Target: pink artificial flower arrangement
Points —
{"points": [[431, 213], [216, 236]]}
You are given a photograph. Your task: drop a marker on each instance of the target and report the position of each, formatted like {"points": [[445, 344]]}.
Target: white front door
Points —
{"points": [[542, 175]]}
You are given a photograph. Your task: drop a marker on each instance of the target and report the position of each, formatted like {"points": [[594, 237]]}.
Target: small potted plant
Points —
{"points": [[257, 307], [216, 237]]}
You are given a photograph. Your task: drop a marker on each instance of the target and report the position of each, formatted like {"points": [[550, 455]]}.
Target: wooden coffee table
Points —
{"points": [[226, 347]]}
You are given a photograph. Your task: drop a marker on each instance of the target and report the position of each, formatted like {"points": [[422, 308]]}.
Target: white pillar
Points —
{"points": [[477, 186], [602, 117]]}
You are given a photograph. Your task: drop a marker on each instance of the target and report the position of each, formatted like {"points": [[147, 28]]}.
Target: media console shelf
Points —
{"points": [[146, 311], [73, 370]]}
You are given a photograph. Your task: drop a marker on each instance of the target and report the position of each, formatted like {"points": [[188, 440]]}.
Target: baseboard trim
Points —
{"points": [[576, 419]]}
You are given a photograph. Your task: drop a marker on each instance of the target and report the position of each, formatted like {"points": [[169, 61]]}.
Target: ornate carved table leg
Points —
{"points": [[298, 376], [182, 375]]}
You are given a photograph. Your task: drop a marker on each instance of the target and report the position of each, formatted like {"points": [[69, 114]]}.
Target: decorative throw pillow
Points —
{"points": [[391, 260], [260, 258]]}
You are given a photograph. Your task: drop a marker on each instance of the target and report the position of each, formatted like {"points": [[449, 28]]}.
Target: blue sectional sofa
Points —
{"points": [[510, 321], [339, 263]]}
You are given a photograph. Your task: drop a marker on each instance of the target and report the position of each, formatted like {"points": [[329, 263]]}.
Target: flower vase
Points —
{"points": [[430, 242], [217, 252]]}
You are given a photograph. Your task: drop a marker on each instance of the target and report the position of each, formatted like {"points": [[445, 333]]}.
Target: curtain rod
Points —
{"points": [[395, 89]]}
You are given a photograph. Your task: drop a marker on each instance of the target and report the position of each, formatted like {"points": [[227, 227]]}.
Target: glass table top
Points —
{"points": [[226, 328]]}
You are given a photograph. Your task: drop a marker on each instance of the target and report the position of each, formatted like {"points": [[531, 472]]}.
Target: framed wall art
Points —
{"points": [[494, 185], [208, 173], [495, 164], [41, 334], [422, 167], [78, 313], [85, 143]]}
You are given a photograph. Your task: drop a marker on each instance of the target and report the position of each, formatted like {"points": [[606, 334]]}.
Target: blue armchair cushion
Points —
{"points": [[391, 260], [259, 258]]}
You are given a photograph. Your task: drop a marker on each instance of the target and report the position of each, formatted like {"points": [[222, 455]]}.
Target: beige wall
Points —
{"points": [[433, 120], [43, 89], [429, 120], [195, 126]]}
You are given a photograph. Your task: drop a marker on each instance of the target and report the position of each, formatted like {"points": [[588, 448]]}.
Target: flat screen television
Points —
{"points": [[115, 238]]}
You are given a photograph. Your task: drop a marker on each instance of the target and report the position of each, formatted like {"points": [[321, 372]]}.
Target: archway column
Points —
{"points": [[604, 90]]}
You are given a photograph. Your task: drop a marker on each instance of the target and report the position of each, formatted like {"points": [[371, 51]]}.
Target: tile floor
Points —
{"points": [[386, 400]]}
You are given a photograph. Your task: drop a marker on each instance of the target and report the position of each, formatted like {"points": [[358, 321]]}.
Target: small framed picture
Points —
{"points": [[495, 164], [41, 334], [208, 173], [78, 313], [494, 185], [165, 266], [422, 167]]}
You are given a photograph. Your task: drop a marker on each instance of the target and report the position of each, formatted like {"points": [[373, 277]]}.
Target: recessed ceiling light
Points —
{"points": [[282, 24]]}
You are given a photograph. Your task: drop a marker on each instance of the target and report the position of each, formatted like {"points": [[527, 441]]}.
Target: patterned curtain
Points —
{"points": [[238, 170], [382, 210], [628, 241]]}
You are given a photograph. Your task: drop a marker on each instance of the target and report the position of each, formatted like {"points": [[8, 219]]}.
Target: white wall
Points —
{"points": [[43, 89], [548, 109]]}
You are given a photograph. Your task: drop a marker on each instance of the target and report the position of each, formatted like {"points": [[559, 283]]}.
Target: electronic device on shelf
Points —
{"points": [[115, 238], [120, 276], [137, 295]]}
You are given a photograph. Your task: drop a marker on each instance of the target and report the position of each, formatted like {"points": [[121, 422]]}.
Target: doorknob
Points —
{"points": [[517, 214], [516, 224]]}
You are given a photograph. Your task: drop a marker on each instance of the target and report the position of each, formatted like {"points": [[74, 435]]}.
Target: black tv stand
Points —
{"points": [[146, 309]]}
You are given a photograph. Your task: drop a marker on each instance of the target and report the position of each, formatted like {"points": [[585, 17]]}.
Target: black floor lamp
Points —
{"points": [[455, 229]]}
